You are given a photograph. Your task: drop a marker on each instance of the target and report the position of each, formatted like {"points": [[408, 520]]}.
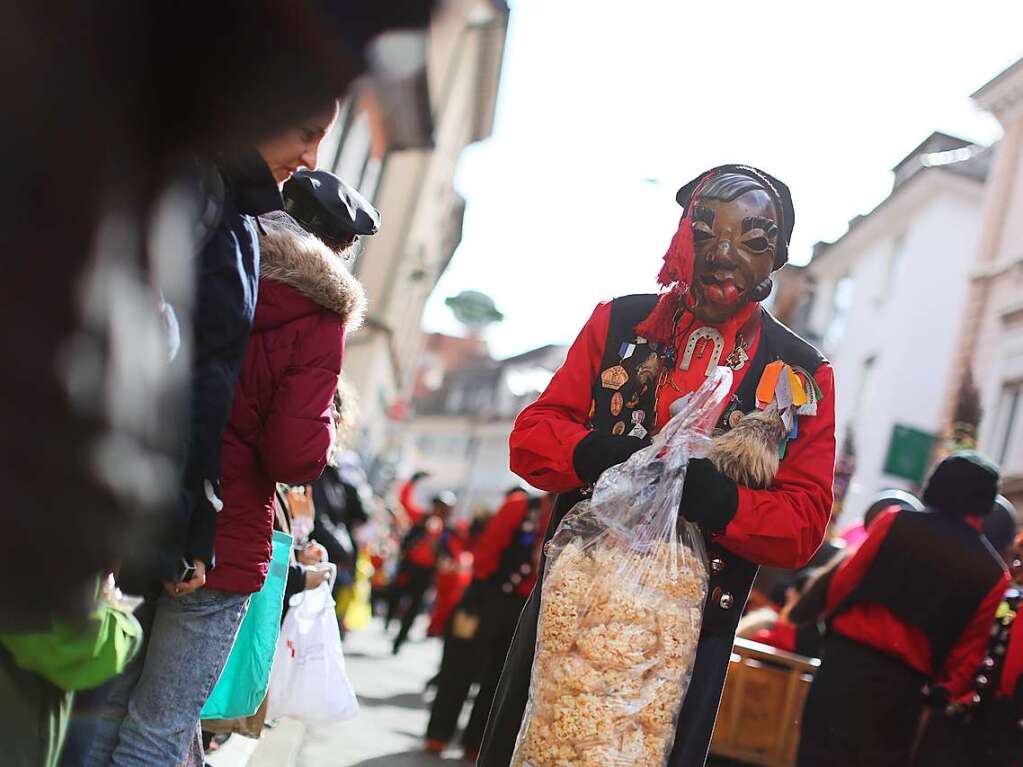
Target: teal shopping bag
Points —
{"points": [[243, 682]]}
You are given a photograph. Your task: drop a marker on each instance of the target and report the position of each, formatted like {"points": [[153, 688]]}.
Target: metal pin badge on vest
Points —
{"points": [[614, 378]]}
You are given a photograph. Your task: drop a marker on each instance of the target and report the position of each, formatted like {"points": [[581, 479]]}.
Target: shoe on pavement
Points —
{"points": [[435, 746]]}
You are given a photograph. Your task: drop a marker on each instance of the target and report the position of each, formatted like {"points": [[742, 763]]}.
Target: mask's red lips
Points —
{"points": [[720, 289]]}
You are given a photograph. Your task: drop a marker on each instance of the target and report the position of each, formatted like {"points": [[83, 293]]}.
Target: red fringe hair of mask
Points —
{"points": [[677, 275]]}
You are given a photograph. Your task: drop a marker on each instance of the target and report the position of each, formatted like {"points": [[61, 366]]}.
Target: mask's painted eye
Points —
{"points": [[756, 244], [701, 232]]}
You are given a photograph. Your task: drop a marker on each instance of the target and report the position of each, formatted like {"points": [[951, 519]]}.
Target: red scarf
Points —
{"points": [[677, 383], [676, 274]]}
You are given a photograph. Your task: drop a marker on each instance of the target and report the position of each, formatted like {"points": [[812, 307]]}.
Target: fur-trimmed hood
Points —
{"points": [[290, 255]]}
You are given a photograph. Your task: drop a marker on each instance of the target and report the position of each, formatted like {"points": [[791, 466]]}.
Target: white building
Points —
{"points": [[889, 300], [464, 416], [991, 347], [376, 146]]}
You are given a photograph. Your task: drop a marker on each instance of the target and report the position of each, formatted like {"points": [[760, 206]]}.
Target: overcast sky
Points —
{"points": [[605, 108]]}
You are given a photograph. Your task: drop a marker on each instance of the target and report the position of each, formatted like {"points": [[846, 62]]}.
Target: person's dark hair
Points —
{"points": [[341, 247]]}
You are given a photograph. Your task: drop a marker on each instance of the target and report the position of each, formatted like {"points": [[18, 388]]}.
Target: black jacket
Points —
{"points": [[227, 276]]}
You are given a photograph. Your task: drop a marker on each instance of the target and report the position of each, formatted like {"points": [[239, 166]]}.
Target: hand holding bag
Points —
{"points": [[309, 680]]}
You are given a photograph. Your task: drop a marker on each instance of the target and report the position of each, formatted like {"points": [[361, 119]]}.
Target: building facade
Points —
{"points": [[376, 146], [464, 407], [990, 349], [888, 296]]}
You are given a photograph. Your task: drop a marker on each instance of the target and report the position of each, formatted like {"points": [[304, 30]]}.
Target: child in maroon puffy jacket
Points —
{"points": [[281, 427]]}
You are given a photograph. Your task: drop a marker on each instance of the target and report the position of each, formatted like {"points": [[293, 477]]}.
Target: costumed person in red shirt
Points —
{"points": [[984, 725], [454, 575], [913, 605], [425, 546], [506, 559], [637, 355]]}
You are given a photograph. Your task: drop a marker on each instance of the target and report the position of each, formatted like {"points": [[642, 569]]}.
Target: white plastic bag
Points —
{"points": [[621, 608], [309, 681]]}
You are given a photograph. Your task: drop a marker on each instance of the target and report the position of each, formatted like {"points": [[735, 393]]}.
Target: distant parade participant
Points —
{"points": [[424, 547], [506, 559], [984, 725], [636, 356], [912, 606]]}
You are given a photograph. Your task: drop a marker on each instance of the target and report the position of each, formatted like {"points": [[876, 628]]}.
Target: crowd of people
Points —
{"points": [[227, 420]]}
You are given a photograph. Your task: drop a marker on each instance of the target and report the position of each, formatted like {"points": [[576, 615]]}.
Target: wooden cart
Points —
{"points": [[762, 705]]}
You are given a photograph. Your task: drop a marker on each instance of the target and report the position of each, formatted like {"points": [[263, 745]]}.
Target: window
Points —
{"points": [[865, 392], [891, 268], [842, 300], [1008, 420], [355, 149]]}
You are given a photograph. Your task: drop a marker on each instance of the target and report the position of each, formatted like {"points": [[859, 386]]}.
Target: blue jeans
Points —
{"points": [[151, 714]]}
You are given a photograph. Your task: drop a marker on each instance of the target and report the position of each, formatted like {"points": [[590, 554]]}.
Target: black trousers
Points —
{"points": [[863, 709], [467, 661], [419, 581]]}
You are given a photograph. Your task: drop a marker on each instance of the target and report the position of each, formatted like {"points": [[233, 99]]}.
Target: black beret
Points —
{"points": [[1002, 525], [779, 192], [965, 483], [325, 205]]}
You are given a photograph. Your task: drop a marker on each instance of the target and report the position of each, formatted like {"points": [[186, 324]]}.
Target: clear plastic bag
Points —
{"points": [[621, 608]]}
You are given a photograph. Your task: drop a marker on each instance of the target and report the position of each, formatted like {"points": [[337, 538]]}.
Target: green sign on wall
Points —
{"points": [[909, 453]]}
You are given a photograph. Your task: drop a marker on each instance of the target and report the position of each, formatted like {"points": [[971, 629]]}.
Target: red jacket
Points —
{"points": [[876, 626], [781, 527], [281, 426]]}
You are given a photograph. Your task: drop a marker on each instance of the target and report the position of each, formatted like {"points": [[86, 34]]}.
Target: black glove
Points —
{"points": [[598, 452], [709, 498], [936, 696]]}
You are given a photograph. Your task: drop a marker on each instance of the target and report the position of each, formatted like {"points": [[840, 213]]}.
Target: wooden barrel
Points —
{"points": [[762, 705]]}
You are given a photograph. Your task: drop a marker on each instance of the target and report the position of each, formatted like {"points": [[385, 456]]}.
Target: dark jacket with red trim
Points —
{"points": [[281, 426], [781, 526], [506, 550], [950, 583]]}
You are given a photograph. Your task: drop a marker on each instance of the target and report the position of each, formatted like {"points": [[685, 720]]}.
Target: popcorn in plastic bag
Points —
{"points": [[621, 608]]}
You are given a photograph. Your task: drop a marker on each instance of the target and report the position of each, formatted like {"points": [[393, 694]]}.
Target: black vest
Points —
{"points": [[517, 560], [944, 568], [731, 576]]}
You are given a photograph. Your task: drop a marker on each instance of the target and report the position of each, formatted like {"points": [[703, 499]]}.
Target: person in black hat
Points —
{"points": [[327, 207], [912, 607], [636, 356], [982, 725]]}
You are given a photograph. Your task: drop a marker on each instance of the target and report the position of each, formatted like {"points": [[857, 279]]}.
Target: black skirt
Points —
{"points": [[863, 709]]}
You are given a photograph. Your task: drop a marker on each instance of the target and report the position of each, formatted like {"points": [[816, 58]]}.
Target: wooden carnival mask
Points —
{"points": [[735, 237]]}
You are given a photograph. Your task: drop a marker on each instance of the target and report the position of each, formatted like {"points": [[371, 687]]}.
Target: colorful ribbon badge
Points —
{"points": [[793, 389]]}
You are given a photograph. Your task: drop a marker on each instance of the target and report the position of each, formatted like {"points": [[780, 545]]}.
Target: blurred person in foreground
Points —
{"points": [[506, 560], [106, 220], [633, 359], [260, 412], [912, 606], [429, 543], [983, 724]]}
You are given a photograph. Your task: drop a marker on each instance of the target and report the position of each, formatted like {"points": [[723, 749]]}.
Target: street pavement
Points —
{"points": [[388, 731]]}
